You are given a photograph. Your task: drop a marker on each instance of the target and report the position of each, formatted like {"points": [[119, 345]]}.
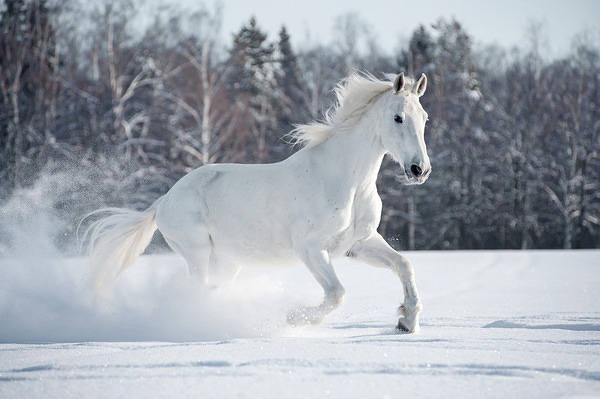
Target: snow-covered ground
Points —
{"points": [[495, 324]]}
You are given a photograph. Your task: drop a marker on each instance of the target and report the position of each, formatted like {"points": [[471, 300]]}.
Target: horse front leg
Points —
{"points": [[375, 251], [320, 266]]}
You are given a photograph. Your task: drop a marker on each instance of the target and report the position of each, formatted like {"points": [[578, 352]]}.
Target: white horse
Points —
{"points": [[319, 204]]}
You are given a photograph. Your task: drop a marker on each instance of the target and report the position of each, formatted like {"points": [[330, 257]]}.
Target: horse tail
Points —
{"points": [[115, 241]]}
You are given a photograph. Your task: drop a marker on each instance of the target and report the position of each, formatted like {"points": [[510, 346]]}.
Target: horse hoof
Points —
{"points": [[294, 319], [302, 317], [405, 326]]}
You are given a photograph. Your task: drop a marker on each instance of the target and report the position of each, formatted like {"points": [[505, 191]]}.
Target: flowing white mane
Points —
{"points": [[352, 96]]}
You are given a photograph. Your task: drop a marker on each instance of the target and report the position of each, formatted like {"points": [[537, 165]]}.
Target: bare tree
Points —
{"points": [[29, 60]]}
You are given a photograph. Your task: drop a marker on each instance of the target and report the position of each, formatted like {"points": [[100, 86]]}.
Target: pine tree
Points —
{"points": [[288, 78], [291, 102], [419, 56], [252, 80], [251, 59]]}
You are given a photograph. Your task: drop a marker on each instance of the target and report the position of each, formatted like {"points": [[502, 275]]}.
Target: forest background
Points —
{"points": [[95, 112]]}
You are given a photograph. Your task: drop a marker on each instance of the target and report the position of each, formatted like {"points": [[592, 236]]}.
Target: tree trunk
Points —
{"points": [[412, 215]]}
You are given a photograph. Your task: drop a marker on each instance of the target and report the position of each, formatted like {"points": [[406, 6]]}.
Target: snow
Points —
{"points": [[495, 324]]}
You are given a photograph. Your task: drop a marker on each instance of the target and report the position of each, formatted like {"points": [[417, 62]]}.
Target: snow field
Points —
{"points": [[495, 324]]}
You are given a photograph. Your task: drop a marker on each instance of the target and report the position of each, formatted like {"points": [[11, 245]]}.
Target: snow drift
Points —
{"points": [[47, 297]]}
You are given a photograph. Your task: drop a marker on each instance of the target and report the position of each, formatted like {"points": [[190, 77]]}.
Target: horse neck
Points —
{"points": [[354, 155]]}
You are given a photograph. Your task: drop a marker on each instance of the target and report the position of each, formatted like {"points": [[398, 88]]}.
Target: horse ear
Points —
{"points": [[399, 83], [420, 86]]}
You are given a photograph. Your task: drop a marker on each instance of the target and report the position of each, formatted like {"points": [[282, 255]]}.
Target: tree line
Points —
{"points": [[513, 136]]}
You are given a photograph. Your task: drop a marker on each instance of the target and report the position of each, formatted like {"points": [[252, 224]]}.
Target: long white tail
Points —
{"points": [[115, 241]]}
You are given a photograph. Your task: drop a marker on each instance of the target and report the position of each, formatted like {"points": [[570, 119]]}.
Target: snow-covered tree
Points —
{"points": [[252, 80], [572, 136], [514, 138], [29, 63]]}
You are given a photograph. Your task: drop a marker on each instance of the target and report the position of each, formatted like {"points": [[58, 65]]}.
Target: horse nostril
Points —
{"points": [[416, 170]]}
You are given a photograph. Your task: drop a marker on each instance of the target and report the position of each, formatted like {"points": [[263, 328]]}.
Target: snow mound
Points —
{"points": [[51, 300]]}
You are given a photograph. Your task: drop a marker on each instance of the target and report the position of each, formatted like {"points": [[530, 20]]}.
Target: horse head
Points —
{"points": [[402, 126]]}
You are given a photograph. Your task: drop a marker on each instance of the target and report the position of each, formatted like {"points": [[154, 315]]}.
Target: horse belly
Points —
{"points": [[249, 224], [247, 249]]}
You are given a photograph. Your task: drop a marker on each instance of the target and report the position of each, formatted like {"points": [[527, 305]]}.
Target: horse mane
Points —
{"points": [[352, 96]]}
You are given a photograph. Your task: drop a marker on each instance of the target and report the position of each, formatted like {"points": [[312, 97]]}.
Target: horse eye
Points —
{"points": [[398, 118]]}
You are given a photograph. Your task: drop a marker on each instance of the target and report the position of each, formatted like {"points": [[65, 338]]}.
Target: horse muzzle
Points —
{"points": [[416, 174]]}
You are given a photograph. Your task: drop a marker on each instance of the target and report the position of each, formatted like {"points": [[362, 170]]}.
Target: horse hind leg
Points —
{"points": [[320, 266], [182, 224], [195, 249], [221, 269]]}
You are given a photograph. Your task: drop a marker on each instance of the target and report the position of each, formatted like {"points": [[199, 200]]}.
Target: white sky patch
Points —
{"points": [[504, 23]]}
